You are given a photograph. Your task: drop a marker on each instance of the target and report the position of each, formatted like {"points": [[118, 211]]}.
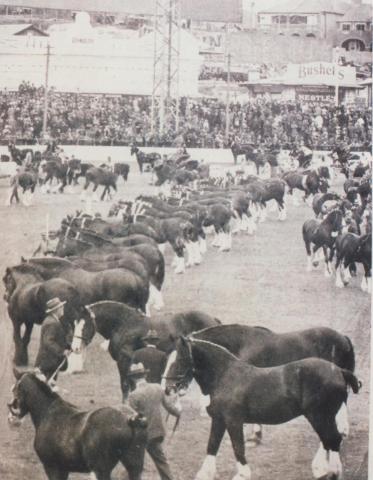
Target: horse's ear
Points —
{"points": [[183, 340], [23, 260], [17, 373]]}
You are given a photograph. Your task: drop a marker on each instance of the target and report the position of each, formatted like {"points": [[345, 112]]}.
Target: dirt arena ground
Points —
{"points": [[262, 281]]}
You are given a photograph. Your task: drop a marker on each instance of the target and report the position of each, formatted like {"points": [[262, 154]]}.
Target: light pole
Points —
{"points": [[336, 61], [45, 113]]}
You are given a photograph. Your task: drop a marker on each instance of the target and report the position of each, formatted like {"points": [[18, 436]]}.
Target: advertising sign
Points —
{"points": [[320, 73]]}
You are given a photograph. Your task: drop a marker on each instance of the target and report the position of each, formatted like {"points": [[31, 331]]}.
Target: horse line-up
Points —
{"points": [[110, 271]]}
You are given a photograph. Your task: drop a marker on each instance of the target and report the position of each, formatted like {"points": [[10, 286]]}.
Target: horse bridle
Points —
{"points": [[189, 372]]}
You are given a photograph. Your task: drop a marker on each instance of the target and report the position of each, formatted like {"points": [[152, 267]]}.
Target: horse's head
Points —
{"points": [[336, 220], [179, 370], [30, 386], [84, 331], [9, 283]]}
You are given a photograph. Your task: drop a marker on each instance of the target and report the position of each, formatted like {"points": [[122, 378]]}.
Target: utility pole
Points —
{"points": [[45, 113], [227, 98]]}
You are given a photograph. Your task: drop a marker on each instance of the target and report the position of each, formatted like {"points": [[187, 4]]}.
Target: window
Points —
{"points": [[360, 26], [346, 27], [297, 20]]}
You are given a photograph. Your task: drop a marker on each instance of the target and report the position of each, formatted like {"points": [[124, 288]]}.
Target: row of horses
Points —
{"points": [[308, 372], [342, 228]]}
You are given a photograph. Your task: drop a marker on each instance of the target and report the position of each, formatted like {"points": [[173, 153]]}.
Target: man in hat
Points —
{"points": [[154, 360], [55, 340], [147, 399]]}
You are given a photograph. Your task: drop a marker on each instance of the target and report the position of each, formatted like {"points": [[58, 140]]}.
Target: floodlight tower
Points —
{"points": [[166, 65]]}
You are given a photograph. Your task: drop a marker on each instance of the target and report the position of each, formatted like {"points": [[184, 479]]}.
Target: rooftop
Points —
{"points": [[358, 13], [204, 10], [308, 6]]}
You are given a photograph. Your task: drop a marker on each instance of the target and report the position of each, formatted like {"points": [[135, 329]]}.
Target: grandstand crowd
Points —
{"points": [[121, 120]]}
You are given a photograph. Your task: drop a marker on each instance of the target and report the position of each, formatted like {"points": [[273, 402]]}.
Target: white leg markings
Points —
{"points": [[341, 420], [208, 469], [243, 472], [320, 463]]}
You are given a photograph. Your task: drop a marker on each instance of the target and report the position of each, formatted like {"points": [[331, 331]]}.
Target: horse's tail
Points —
{"points": [[351, 380], [139, 161], [348, 357], [160, 271]]}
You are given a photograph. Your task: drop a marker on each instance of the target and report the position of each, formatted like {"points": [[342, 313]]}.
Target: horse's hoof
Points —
{"points": [[315, 264]]}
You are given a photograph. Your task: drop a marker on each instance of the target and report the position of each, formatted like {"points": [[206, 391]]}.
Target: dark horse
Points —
{"points": [[144, 158], [242, 393], [351, 249], [70, 440], [262, 347], [322, 234], [125, 328], [100, 176], [115, 284], [27, 294]]}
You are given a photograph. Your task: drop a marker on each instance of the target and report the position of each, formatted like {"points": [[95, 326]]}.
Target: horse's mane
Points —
{"points": [[221, 326], [44, 387], [214, 345], [50, 260], [25, 268], [118, 304], [92, 233]]}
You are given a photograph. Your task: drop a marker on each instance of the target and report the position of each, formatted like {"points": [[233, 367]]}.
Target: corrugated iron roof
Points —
{"points": [[204, 10], [17, 28]]}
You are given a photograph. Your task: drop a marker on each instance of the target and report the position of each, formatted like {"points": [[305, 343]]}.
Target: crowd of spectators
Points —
{"points": [[121, 120]]}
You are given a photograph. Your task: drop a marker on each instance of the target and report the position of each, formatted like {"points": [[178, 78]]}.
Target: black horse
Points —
{"points": [[100, 176], [242, 393], [27, 294], [122, 170], [320, 198], [114, 284], [351, 249], [71, 440], [19, 155], [262, 347], [144, 158], [310, 182], [126, 327], [322, 235]]}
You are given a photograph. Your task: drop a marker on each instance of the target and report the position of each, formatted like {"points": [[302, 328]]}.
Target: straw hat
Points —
{"points": [[137, 370], [53, 304]]}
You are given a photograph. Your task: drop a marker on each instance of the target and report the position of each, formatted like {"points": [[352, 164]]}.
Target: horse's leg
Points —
{"points": [[339, 276], [54, 473], [180, 268], [208, 468], [83, 194], [263, 212], [27, 335], [227, 239], [327, 462], [365, 285], [235, 430], [20, 352], [105, 191], [281, 209], [327, 271], [202, 242]]}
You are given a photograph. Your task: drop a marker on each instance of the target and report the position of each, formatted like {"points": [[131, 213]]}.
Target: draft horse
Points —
{"points": [[242, 393], [71, 440]]}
